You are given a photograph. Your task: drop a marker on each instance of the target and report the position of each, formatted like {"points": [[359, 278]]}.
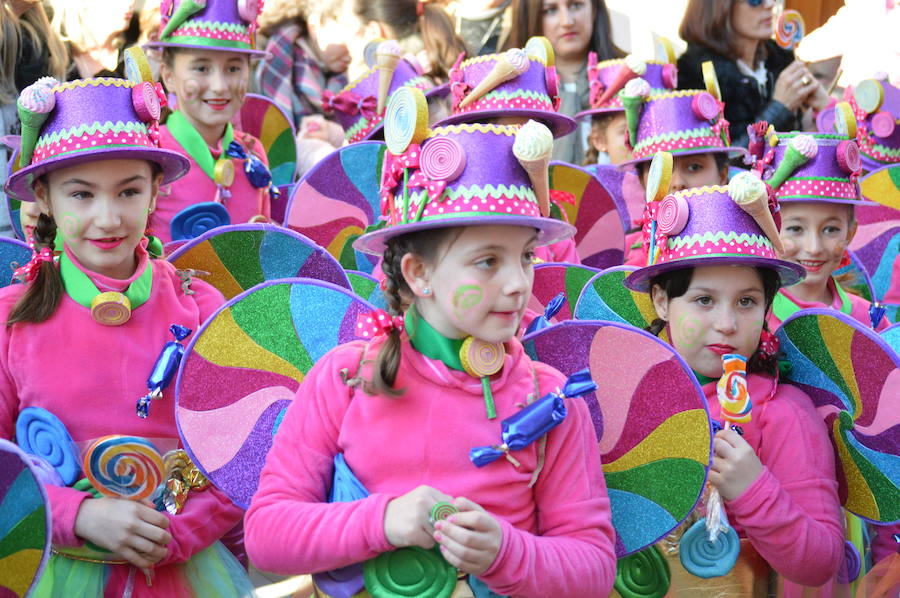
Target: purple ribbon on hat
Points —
{"points": [[349, 103]]}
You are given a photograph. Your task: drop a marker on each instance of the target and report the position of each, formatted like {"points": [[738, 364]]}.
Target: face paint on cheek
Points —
{"points": [[69, 225], [790, 248], [466, 297], [191, 90], [689, 332]]}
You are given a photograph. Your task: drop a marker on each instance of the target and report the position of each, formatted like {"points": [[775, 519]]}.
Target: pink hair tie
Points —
{"points": [[377, 323], [29, 271]]}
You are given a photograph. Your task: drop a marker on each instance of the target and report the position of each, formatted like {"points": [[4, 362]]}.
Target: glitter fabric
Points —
{"points": [[242, 256], [852, 376], [605, 297], [338, 199], [655, 452], [550, 278], [587, 204], [13, 253], [367, 287], [243, 368], [24, 523]]}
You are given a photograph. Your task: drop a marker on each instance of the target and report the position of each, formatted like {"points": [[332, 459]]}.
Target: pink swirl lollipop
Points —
{"points": [[670, 76], [883, 124], [705, 106], [790, 29], [248, 10], [848, 156], [124, 467], [672, 215], [443, 159], [145, 101]]}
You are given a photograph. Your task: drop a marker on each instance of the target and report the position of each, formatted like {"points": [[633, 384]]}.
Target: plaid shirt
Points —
{"points": [[291, 77]]}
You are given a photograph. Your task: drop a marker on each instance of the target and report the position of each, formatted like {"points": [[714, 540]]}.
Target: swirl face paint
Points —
{"points": [[465, 298]]}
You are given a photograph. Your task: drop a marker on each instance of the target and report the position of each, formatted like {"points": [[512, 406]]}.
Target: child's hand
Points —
{"points": [[470, 539], [406, 517], [735, 465], [134, 531]]}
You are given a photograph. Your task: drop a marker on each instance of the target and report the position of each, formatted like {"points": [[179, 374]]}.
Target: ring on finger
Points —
{"points": [[805, 80]]}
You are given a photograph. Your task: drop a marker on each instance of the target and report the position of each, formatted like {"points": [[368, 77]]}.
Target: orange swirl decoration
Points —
{"points": [[480, 358], [111, 308], [734, 398], [124, 467]]}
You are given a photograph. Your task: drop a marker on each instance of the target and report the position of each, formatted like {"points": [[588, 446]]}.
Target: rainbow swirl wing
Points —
{"points": [[891, 336], [24, 523], [855, 278], [852, 376], [586, 203], [242, 368], [552, 278], [605, 297], [338, 199], [655, 449], [877, 244], [241, 256], [265, 120], [367, 287], [13, 253], [882, 185]]}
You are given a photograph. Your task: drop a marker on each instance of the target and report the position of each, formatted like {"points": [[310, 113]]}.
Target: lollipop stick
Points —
{"points": [[834, 82]]}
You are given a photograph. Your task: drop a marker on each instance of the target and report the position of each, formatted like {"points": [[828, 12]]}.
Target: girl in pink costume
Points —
{"points": [[82, 335], [404, 409], [206, 65], [777, 480]]}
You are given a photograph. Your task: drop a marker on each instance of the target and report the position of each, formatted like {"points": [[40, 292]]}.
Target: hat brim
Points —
{"points": [[559, 124], [549, 230], [174, 166], [732, 151], [788, 273], [594, 112], [825, 124], [838, 200], [164, 45]]}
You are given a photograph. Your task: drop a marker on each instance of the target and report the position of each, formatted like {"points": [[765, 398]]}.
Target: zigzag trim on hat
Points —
{"points": [[99, 82], [879, 152], [212, 26], [678, 93], [467, 194], [360, 128], [753, 240], [493, 57], [674, 136], [508, 130], [80, 130]]}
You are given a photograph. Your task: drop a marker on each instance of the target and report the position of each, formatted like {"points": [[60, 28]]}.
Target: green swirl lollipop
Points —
{"points": [[409, 572]]}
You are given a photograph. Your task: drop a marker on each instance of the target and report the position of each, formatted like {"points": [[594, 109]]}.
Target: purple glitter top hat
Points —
{"points": [[516, 83], [681, 122], [609, 77], [710, 226], [228, 25], [876, 106], [461, 175], [359, 107], [64, 124]]}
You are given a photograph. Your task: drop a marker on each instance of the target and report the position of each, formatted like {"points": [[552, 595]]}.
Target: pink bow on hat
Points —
{"points": [[377, 323], [392, 172], [596, 85], [434, 187], [458, 87], [349, 103]]}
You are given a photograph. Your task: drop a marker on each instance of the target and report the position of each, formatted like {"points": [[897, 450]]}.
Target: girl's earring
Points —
{"points": [[426, 291]]}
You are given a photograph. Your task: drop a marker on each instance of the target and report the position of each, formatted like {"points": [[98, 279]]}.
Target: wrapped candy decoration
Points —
{"points": [[164, 369], [543, 320], [535, 420]]}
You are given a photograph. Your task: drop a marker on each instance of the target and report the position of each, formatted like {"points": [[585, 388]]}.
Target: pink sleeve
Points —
{"points": [[64, 505], [207, 516], [791, 512], [573, 554], [289, 527]]}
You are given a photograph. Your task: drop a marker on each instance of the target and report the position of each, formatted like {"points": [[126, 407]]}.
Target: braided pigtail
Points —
{"points": [[387, 363], [46, 288]]}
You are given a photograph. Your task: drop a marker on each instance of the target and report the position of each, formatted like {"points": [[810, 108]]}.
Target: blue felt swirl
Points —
{"points": [[707, 559], [637, 532], [881, 278], [41, 433], [804, 371], [330, 309], [195, 220]]}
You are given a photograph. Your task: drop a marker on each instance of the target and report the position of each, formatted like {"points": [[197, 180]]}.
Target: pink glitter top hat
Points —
{"points": [[359, 107], [64, 124], [461, 175], [682, 122], [518, 82], [709, 226], [876, 106], [227, 25]]}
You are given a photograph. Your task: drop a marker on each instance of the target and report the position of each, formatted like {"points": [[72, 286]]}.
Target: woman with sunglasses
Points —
{"points": [[759, 80]]}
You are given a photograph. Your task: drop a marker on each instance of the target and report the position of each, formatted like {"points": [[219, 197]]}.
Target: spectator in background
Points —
{"points": [[96, 32], [482, 24], [574, 28], [306, 55], [759, 80], [148, 21]]}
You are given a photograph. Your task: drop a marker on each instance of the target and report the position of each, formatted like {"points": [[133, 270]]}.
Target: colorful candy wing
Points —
{"points": [[651, 419], [877, 244], [24, 523], [852, 377], [241, 256], [367, 287], [338, 199], [265, 120], [891, 336], [855, 277], [582, 200], [13, 253], [605, 297], [552, 278], [882, 186], [244, 365]]}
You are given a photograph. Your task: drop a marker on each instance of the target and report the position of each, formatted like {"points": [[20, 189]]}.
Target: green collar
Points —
{"points": [[82, 289], [784, 307], [188, 138], [434, 345], [704, 380]]}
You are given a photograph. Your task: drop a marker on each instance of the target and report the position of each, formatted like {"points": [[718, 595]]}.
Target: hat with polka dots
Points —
{"points": [[225, 25]]}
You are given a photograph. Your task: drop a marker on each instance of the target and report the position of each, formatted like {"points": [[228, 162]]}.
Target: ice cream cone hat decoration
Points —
{"points": [[706, 226], [818, 166], [70, 123], [460, 175], [520, 82], [227, 25], [387, 56]]}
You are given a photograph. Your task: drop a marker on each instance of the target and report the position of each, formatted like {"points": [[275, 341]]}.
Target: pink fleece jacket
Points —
{"points": [[246, 201], [853, 305], [557, 535], [90, 376], [791, 512]]}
